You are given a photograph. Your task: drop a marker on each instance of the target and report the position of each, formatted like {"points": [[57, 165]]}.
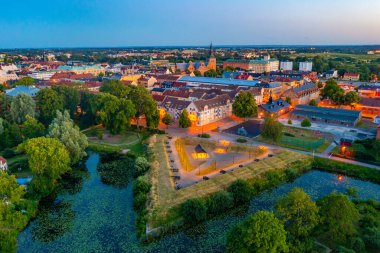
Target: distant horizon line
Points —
{"points": [[194, 46]]}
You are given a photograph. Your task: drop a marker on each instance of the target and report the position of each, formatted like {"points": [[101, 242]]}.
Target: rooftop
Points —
{"points": [[28, 90], [217, 81]]}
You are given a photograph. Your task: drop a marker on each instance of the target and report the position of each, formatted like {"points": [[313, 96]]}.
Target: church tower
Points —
{"points": [[212, 60]]}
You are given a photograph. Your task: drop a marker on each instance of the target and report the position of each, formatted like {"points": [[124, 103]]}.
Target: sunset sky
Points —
{"points": [[113, 23]]}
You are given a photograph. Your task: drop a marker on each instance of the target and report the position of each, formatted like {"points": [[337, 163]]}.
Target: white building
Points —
{"points": [[306, 66], [286, 65], [3, 164], [42, 75], [6, 76], [8, 67], [331, 74]]}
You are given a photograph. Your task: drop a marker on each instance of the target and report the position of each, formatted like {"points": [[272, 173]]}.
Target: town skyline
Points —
{"points": [[120, 24]]}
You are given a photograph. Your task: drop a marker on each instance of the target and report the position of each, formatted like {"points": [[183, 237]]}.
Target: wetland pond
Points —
{"points": [[95, 217]]}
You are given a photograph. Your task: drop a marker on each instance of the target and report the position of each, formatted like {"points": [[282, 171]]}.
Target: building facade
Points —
{"points": [[286, 66], [305, 66]]}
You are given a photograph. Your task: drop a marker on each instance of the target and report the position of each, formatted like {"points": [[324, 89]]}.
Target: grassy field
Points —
{"points": [[302, 139], [363, 57], [165, 199]]}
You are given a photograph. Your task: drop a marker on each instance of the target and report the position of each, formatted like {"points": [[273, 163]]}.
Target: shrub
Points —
{"points": [[290, 121], [204, 135], [289, 134], [241, 140], [139, 201], [241, 191], [194, 211], [306, 122], [141, 166], [220, 202], [141, 185], [313, 102]]}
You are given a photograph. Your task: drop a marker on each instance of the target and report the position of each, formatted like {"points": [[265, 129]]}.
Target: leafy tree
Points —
{"points": [[241, 191], [211, 73], [141, 166], [197, 73], [71, 97], [48, 102], [290, 121], [306, 122], [333, 92], [89, 105], [32, 128], [167, 119], [114, 87], [21, 106], [351, 98], [272, 129], [63, 128], [13, 220], [194, 211], [262, 232], [115, 113], [229, 69], [298, 212], [184, 121], [313, 102], [153, 119], [245, 105], [339, 217], [48, 160], [220, 202], [26, 81], [144, 105]]}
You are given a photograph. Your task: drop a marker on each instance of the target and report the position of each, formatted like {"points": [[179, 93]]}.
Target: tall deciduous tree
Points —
{"points": [[298, 212], [333, 92], [63, 129], [245, 105], [262, 232], [21, 106], [48, 160], [32, 128], [48, 102], [71, 97], [339, 216], [272, 129], [115, 113], [114, 87], [144, 104], [184, 121], [351, 98], [167, 119]]}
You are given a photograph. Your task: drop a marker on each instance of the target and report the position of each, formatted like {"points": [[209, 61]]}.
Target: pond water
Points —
{"points": [[100, 218]]}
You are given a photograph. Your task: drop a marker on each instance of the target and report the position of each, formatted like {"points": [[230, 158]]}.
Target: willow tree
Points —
{"points": [[22, 105], [64, 129]]}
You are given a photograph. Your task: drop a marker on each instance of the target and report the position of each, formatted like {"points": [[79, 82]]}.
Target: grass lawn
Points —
{"points": [[18, 165], [302, 139], [165, 199], [115, 143]]}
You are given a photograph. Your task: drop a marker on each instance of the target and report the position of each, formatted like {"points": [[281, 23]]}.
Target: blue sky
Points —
{"points": [[112, 23]]}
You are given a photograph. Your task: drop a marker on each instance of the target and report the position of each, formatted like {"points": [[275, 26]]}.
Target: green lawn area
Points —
{"points": [[18, 165], [364, 57], [165, 199], [302, 139], [115, 143]]}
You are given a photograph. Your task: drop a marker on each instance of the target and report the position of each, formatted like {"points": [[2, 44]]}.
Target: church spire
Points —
{"points": [[211, 53]]}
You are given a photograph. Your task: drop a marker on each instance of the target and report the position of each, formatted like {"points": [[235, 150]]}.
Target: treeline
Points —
{"points": [[299, 224]]}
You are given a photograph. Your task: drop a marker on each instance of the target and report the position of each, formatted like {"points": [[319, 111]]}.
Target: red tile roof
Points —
{"points": [[3, 160]]}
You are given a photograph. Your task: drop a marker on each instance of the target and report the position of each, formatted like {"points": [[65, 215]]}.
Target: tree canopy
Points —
{"points": [[63, 128], [21, 106], [71, 97], [26, 81], [32, 128], [114, 87], [333, 92], [48, 102], [184, 121], [48, 160], [339, 216], [261, 232], [244, 105], [298, 212], [115, 113], [272, 129]]}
